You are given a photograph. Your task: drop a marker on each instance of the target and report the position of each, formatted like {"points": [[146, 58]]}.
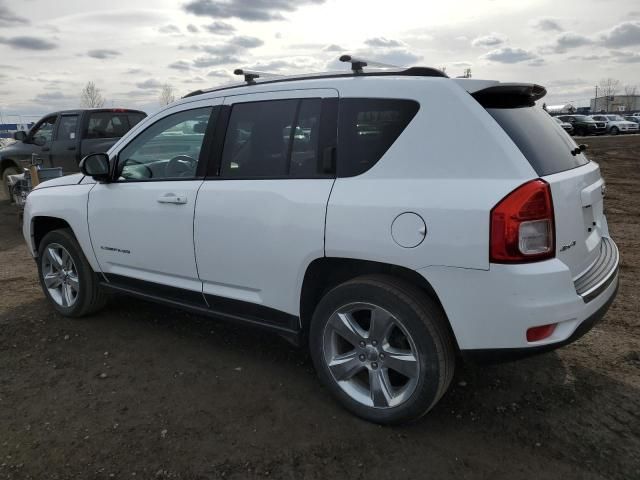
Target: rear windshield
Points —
{"points": [[542, 141], [111, 124]]}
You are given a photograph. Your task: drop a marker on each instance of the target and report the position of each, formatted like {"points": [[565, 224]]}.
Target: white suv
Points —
{"points": [[393, 222], [616, 124]]}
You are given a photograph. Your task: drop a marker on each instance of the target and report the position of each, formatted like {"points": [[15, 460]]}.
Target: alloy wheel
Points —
{"points": [[371, 355], [60, 275]]}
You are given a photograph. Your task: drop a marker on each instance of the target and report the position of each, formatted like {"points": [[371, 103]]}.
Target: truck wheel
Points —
{"points": [[66, 277], [382, 348], [5, 180]]}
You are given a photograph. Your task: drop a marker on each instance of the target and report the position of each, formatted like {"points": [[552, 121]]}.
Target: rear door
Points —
{"points": [[260, 216], [64, 147], [576, 185]]}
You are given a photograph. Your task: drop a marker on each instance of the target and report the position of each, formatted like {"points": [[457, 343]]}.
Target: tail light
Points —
{"points": [[522, 225]]}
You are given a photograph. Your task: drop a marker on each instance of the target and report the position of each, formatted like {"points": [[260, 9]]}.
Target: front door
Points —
{"points": [[64, 147], [260, 222], [39, 141], [141, 224]]}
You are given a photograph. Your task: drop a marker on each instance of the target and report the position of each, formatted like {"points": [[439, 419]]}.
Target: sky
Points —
{"points": [[49, 50]]}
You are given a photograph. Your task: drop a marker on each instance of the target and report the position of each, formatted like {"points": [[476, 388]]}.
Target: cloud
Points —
{"points": [[249, 10], [220, 28], [151, 83], [52, 97], [625, 57], [169, 29], [192, 28], [9, 19], [509, 55], [135, 71], [28, 43], [547, 25], [490, 40], [180, 65], [246, 41], [462, 64], [624, 34], [103, 53], [566, 41], [218, 74], [333, 48], [588, 58], [204, 62], [383, 42]]}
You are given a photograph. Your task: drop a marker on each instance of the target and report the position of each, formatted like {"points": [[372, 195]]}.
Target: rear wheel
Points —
{"points": [[382, 347], [66, 277], [614, 131]]}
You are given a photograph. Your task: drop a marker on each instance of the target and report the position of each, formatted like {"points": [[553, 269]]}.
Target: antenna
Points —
{"points": [[251, 75], [357, 64]]}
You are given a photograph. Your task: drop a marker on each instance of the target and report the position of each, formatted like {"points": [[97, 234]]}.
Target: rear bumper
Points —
{"points": [[499, 355], [492, 309]]}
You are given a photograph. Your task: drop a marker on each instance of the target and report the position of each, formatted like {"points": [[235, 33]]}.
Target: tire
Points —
{"points": [[418, 335], [614, 131], [5, 180], [87, 297]]}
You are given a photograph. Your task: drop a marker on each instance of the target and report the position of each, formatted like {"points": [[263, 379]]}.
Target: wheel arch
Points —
{"points": [[325, 273], [41, 225], [8, 163]]}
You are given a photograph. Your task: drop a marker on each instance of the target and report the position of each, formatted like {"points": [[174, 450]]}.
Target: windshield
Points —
{"points": [[616, 118], [582, 118]]}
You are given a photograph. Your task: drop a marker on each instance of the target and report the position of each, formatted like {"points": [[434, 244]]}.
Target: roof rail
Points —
{"points": [[251, 75], [357, 65]]}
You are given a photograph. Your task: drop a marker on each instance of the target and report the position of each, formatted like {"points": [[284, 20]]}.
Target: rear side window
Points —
{"points": [[108, 125], [273, 139], [542, 141], [367, 127]]}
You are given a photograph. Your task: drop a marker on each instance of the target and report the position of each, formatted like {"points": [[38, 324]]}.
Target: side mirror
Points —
{"points": [[96, 166], [20, 136]]}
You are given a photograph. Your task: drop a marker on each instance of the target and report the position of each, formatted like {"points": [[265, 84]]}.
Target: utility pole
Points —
{"points": [[595, 102]]}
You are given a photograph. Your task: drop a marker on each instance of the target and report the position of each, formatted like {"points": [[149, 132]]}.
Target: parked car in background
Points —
{"points": [[495, 244], [616, 124], [62, 139], [584, 125], [566, 125], [631, 118]]}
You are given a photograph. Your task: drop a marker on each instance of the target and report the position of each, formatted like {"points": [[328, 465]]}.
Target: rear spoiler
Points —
{"points": [[510, 95]]}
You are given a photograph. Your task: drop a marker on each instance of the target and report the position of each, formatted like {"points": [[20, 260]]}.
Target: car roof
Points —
{"points": [[98, 110]]}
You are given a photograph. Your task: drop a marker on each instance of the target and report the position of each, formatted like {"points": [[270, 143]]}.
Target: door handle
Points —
{"points": [[173, 198]]}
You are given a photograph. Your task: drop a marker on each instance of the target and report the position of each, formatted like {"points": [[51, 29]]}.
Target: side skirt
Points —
{"points": [[233, 311]]}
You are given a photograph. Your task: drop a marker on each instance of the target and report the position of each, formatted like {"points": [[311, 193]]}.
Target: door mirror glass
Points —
{"points": [[96, 165], [19, 136]]}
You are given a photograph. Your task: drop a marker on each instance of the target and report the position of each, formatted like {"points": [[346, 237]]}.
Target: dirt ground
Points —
{"points": [[142, 391]]}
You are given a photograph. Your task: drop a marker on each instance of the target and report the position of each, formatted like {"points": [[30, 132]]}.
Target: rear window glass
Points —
{"points": [[110, 124], [542, 141], [367, 127]]}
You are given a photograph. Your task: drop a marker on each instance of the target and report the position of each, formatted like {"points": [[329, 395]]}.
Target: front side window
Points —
{"points": [[169, 149], [273, 139], [367, 127], [67, 127], [43, 132]]}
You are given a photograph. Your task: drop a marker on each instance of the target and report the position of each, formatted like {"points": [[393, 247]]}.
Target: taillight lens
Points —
{"points": [[522, 226]]}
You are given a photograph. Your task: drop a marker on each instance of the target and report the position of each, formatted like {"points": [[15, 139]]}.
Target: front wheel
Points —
{"points": [[614, 131], [66, 277], [5, 180], [382, 347]]}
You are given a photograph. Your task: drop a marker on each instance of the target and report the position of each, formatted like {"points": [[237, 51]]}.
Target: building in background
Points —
{"points": [[616, 103]]}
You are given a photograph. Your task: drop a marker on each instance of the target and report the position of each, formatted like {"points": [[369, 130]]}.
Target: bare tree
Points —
{"points": [[467, 73], [609, 87], [90, 97], [630, 91], [167, 95]]}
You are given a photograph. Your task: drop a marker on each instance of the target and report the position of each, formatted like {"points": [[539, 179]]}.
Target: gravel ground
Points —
{"points": [[142, 391]]}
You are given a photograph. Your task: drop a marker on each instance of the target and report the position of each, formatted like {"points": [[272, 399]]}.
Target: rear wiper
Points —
{"points": [[579, 149]]}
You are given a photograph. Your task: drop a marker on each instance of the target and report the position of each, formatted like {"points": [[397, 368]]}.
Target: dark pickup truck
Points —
{"points": [[62, 139]]}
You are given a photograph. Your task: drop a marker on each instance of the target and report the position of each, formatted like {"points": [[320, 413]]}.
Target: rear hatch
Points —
{"points": [[576, 185]]}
